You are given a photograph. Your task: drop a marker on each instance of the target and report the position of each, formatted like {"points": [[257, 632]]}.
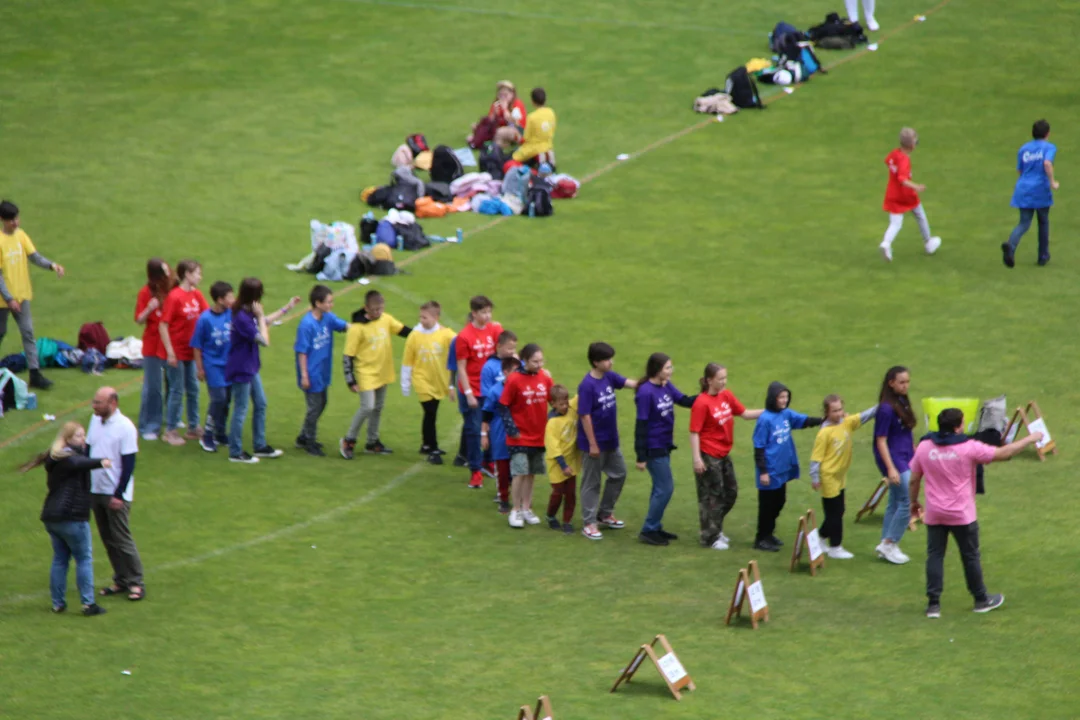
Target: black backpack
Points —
{"points": [[492, 160], [742, 89], [412, 237], [539, 200], [445, 167], [835, 27], [417, 144], [439, 192], [367, 229], [402, 197]]}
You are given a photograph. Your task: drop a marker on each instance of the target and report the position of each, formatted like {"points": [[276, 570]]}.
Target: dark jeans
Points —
{"points": [[716, 492], [473, 419], [770, 503], [1025, 223], [663, 487], [316, 404], [115, 531], [218, 414], [832, 527], [967, 538], [429, 428]]}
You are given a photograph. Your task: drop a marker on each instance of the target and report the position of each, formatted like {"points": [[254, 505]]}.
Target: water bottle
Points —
{"points": [[532, 208], [460, 235], [400, 242]]}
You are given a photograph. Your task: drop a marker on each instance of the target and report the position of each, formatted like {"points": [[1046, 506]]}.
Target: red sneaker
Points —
{"points": [[476, 482]]}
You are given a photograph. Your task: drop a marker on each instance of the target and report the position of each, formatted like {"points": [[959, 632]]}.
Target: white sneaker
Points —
{"points": [[719, 544], [725, 538], [893, 554], [886, 251], [150, 437], [933, 245], [872, 24], [839, 553], [515, 519], [880, 550], [900, 554], [530, 517]]}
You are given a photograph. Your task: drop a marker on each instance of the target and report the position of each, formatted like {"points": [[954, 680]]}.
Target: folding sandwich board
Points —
{"points": [[807, 535], [543, 710], [667, 665], [871, 504], [1031, 418], [759, 607]]}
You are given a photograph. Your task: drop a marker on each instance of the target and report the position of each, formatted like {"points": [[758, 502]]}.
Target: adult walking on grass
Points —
{"points": [[947, 459], [113, 437], [66, 515], [1033, 195]]}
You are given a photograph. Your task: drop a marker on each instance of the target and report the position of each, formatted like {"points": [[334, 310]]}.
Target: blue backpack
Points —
{"points": [[809, 62]]}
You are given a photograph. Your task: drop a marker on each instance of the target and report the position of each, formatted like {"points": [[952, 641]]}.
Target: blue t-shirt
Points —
{"points": [[898, 439], [596, 398], [211, 337], [656, 405], [1033, 186], [451, 359], [773, 433], [315, 338], [492, 380], [243, 363]]}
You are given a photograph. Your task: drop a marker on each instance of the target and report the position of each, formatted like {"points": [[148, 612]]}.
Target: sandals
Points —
{"points": [[134, 593], [113, 590]]}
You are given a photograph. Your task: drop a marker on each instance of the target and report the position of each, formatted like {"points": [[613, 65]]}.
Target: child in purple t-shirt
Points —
{"points": [[656, 399], [893, 450], [598, 440]]}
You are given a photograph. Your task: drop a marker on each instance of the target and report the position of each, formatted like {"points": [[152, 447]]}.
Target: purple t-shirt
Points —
{"points": [[243, 363], [887, 424], [596, 398], [656, 404]]}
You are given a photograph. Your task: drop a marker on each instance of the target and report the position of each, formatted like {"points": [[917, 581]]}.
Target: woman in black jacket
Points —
{"points": [[66, 514]]}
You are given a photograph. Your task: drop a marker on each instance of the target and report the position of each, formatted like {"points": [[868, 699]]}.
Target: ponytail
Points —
{"points": [[710, 372]]}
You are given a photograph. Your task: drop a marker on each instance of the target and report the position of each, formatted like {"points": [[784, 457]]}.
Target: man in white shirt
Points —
{"points": [[113, 436]]}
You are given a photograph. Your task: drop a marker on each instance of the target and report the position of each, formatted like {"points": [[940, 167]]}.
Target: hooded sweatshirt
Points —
{"points": [[774, 448]]}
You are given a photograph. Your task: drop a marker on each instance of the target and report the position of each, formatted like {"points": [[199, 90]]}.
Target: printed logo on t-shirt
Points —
{"points": [[377, 338], [722, 413], [606, 401], [1032, 156], [535, 396], [191, 309], [782, 434], [943, 455], [483, 348], [219, 336], [429, 354], [321, 339], [839, 443], [665, 405], [14, 256]]}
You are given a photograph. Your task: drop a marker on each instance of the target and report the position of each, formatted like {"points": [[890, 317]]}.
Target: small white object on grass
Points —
{"points": [[789, 90], [49, 418], [364, 281], [622, 156], [872, 47], [920, 18], [719, 118], [312, 547], [125, 672]]}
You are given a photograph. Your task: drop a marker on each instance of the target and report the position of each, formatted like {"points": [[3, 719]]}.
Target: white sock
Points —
{"points": [[852, 10], [868, 8], [924, 224], [896, 221]]}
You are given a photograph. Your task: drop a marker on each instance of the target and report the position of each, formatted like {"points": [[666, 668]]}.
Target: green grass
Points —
{"points": [[381, 588]]}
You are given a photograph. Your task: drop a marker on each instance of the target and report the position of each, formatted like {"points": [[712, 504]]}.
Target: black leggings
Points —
{"points": [[431, 413], [770, 503], [832, 527]]}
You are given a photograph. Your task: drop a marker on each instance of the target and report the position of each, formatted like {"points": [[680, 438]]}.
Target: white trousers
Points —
{"points": [[896, 221], [853, 9]]}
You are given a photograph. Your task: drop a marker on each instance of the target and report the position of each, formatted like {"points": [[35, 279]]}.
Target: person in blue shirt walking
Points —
{"points": [[776, 459], [210, 342], [314, 349], [1033, 195]]}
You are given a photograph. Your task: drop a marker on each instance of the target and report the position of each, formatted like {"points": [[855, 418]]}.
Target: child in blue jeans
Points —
{"points": [[894, 447], [211, 346]]}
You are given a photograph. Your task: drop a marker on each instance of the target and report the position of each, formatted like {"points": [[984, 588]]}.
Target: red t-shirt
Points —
{"points": [[527, 397], [182, 310], [474, 347], [899, 198], [517, 112], [151, 337], [711, 417]]}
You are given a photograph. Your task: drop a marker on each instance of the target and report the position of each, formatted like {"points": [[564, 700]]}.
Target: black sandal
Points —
{"points": [[136, 593], [113, 590]]}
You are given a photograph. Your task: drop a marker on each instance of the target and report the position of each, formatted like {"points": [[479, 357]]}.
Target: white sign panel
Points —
{"points": [[1039, 425], [738, 593], [756, 593], [813, 543], [672, 668]]}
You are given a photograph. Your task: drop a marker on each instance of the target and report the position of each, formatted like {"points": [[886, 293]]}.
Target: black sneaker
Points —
{"points": [[766, 545], [461, 461], [223, 440], [666, 535], [1007, 255], [1044, 260], [504, 508], [652, 538], [243, 457], [347, 448], [933, 611], [992, 602], [39, 381], [206, 442], [425, 450], [438, 451], [554, 523], [268, 452], [92, 610], [567, 529], [435, 459], [315, 450], [377, 448], [301, 442], [59, 609], [776, 541]]}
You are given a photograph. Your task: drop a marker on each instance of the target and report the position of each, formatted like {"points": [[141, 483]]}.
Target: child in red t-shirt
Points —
{"points": [[149, 309], [711, 438], [902, 196], [183, 305], [472, 347], [524, 409]]}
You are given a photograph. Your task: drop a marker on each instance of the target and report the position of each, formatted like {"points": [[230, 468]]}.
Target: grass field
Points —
{"points": [[382, 588]]}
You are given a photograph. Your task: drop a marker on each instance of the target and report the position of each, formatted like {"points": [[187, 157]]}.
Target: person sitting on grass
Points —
{"points": [[563, 458], [538, 145], [506, 112]]}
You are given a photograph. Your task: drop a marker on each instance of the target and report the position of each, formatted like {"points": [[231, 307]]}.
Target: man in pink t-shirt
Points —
{"points": [[947, 459]]}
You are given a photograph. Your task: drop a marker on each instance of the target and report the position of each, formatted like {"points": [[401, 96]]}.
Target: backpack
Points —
{"points": [[539, 200], [778, 33], [439, 192], [93, 336], [417, 143], [837, 42], [412, 236], [835, 27], [810, 63], [742, 89], [402, 196], [492, 160], [445, 166], [367, 229], [13, 391]]}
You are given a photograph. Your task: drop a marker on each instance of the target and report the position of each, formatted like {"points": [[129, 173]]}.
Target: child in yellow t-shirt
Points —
{"points": [[424, 367], [369, 368], [829, 463], [563, 457], [539, 140]]}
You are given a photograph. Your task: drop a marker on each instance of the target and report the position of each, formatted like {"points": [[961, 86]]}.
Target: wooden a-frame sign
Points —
{"points": [[759, 607], [543, 710], [872, 502], [1031, 418], [667, 665], [807, 535]]}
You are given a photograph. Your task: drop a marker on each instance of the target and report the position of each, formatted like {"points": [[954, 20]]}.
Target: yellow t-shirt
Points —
{"points": [[833, 449], [426, 353], [369, 343], [560, 438], [14, 251], [540, 129]]}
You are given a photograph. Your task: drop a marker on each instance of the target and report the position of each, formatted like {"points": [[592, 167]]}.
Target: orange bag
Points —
{"points": [[428, 208]]}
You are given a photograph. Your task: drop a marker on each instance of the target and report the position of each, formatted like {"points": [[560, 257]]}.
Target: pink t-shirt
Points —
{"points": [[949, 472]]}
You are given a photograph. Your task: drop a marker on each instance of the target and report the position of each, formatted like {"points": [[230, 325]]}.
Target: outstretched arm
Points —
{"points": [[42, 262]]}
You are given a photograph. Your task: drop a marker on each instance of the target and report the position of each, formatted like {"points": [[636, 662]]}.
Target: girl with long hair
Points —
{"points": [[149, 308], [894, 448]]}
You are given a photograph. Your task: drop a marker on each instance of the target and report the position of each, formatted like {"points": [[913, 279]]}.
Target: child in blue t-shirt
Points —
{"points": [[210, 343], [1033, 195], [314, 349], [776, 459]]}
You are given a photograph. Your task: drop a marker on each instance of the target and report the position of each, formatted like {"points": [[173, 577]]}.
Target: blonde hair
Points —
{"points": [[908, 137], [60, 448]]}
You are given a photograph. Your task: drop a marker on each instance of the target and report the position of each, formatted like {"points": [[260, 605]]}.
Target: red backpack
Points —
{"points": [[93, 335]]}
